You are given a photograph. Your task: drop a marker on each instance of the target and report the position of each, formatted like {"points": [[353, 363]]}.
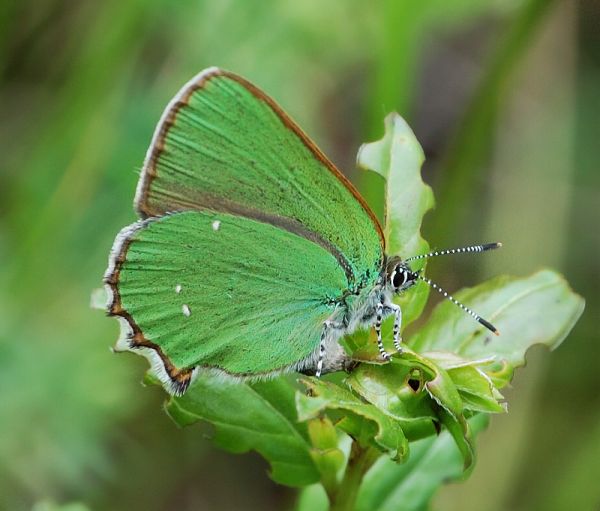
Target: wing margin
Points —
{"points": [[131, 336]]}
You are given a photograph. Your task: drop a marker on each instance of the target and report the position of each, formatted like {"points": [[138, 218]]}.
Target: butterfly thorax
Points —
{"points": [[360, 309]]}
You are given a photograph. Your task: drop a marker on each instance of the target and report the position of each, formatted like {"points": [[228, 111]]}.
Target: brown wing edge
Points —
{"points": [[182, 98], [131, 338]]}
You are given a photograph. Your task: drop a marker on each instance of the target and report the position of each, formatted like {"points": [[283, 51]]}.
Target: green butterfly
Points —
{"points": [[254, 254]]}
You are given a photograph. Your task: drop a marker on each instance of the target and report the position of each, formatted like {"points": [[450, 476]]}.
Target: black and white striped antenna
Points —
{"points": [[462, 250], [474, 315]]}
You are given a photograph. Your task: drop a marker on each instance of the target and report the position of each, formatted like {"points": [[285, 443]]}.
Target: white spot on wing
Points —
{"points": [[186, 310], [215, 225], [178, 288]]}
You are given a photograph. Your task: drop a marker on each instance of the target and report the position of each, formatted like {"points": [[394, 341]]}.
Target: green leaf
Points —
{"points": [[387, 387], [419, 392], [312, 498], [398, 157], [326, 453], [364, 422], [445, 395], [476, 389], [246, 417], [410, 486], [442, 390], [539, 309]]}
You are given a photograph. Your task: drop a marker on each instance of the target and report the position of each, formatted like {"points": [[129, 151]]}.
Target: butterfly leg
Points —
{"points": [[378, 320], [397, 311], [327, 327]]}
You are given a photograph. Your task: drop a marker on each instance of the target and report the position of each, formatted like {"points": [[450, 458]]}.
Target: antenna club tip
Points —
{"points": [[491, 246], [497, 332]]}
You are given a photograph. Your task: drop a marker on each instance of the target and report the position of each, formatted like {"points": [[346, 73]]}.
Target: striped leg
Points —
{"points": [[397, 311], [327, 326], [378, 320], [321, 355]]}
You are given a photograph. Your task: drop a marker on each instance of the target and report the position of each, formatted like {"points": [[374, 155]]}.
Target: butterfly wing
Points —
{"points": [[204, 289], [223, 145]]}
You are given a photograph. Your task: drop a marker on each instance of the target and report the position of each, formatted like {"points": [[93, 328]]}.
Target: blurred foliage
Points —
{"points": [[82, 85], [49, 506]]}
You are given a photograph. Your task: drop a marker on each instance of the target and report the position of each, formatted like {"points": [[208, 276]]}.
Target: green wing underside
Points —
{"points": [[216, 290], [223, 145]]}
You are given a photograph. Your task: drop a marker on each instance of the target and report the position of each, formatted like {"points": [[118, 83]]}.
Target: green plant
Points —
{"points": [[391, 433]]}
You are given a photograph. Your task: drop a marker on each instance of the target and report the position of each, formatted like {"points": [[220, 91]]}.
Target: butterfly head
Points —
{"points": [[399, 275]]}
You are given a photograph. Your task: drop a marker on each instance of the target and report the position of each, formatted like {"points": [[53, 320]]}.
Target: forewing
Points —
{"points": [[223, 145], [204, 289]]}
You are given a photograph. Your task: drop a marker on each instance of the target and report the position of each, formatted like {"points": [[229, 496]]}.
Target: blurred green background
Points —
{"points": [[505, 98]]}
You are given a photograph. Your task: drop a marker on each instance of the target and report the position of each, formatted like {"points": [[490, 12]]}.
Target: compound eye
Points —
{"points": [[399, 278]]}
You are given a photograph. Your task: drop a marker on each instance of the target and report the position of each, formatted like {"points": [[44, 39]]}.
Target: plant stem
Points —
{"points": [[360, 461]]}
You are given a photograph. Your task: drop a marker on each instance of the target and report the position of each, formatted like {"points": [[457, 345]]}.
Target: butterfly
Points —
{"points": [[254, 255]]}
